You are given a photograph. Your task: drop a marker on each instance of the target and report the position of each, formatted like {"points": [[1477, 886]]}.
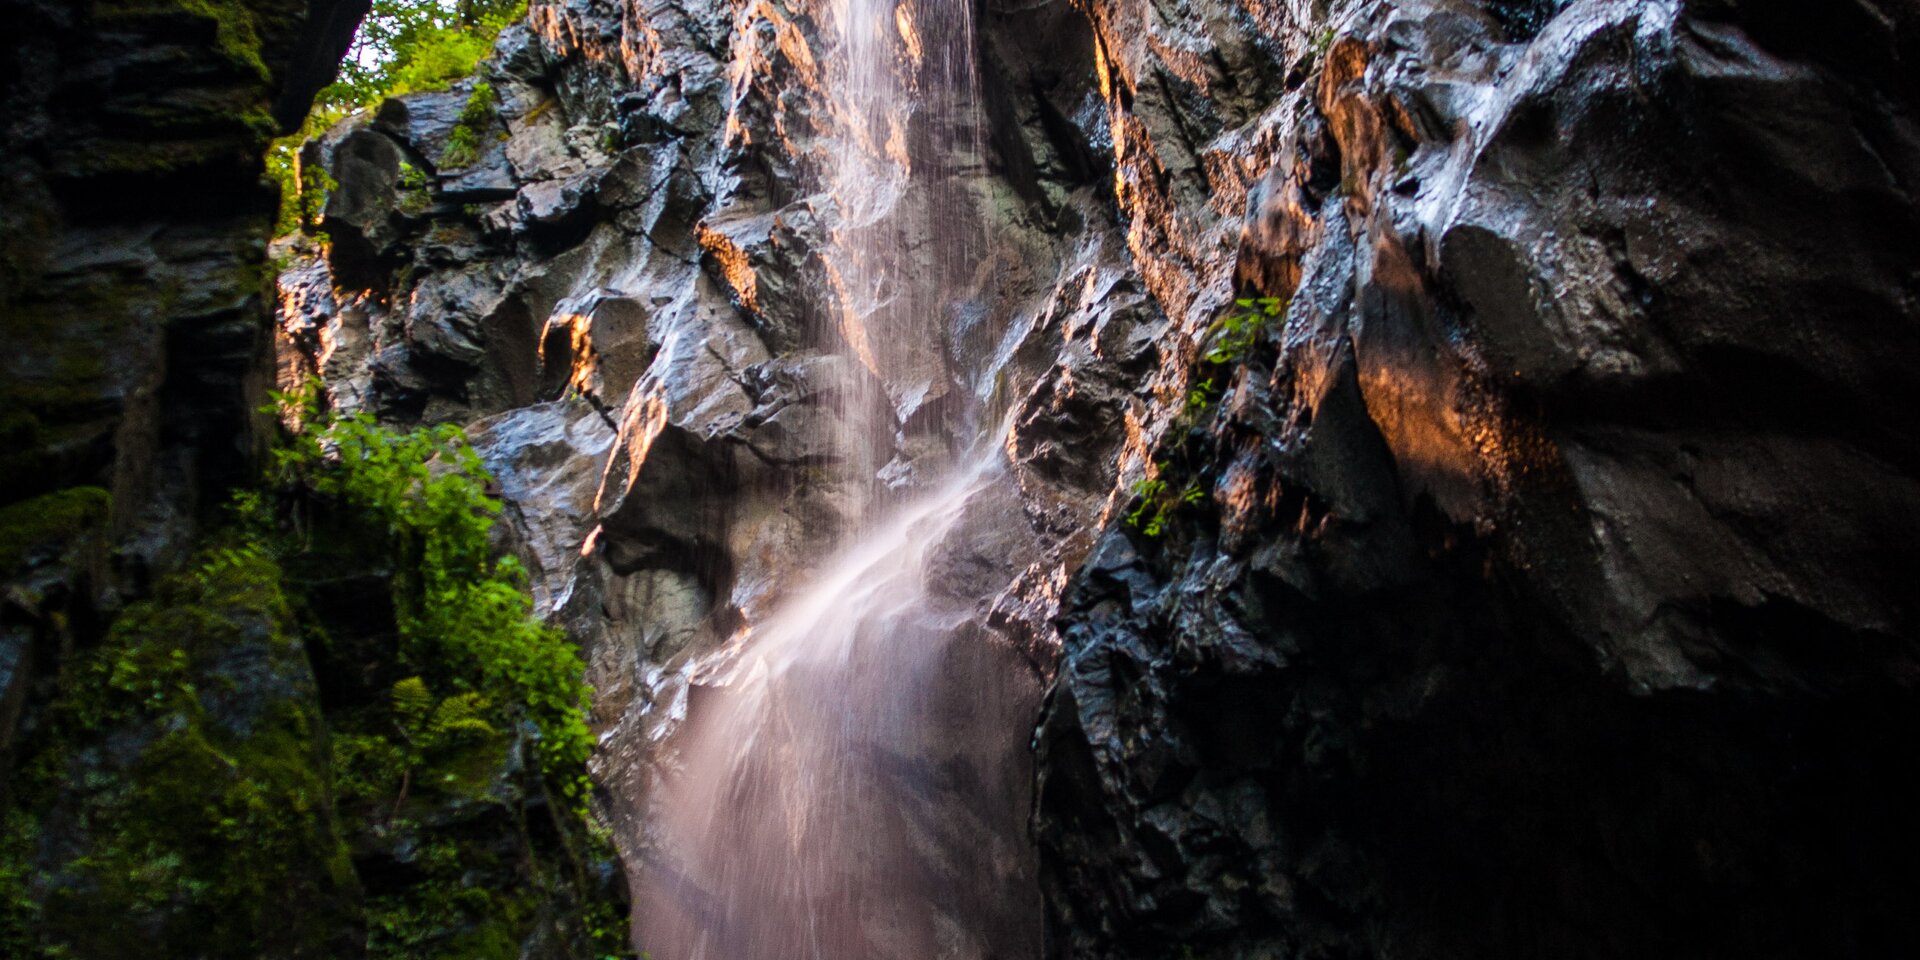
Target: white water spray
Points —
{"points": [[852, 778]]}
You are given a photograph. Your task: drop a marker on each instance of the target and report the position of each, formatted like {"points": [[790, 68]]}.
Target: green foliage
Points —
{"points": [[439, 58], [303, 187], [1159, 501], [466, 620], [481, 672], [403, 46], [1200, 396], [1177, 482], [184, 783], [415, 196], [1232, 336], [463, 144], [409, 45], [180, 765], [415, 924]]}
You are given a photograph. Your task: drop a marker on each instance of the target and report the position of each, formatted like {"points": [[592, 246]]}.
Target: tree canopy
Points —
{"points": [[407, 45]]}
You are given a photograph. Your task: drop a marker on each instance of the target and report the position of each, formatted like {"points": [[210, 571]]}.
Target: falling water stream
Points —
{"points": [[850, 781]]}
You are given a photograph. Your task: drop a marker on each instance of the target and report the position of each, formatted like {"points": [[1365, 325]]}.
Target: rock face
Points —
{"points": [[628, 292], [1530, 582], [133, 284], [1546, 594]]}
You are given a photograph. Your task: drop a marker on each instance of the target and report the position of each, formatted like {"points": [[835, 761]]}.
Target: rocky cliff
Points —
{"points": [[627, 292], [1520, 571], [215, 740], [134, 285], [1548, 596]]}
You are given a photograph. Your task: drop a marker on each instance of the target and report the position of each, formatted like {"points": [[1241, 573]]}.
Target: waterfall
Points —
{"points": [[851, 780]]}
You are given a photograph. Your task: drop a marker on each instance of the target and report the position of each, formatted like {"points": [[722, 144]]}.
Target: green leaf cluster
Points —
{"points": [[1159, 500], [409, 45], [1232, 336], [466, 619]]}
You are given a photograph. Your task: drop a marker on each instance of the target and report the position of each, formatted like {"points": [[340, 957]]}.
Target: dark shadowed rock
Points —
{"points": [[1544, 577]]}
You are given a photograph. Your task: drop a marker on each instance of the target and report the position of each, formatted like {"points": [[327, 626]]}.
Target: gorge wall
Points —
{"points": [[134, 288], [1533, 582], [209, 735]]}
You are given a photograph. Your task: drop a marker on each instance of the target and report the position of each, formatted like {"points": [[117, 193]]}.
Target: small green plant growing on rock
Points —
{"points": [[434, 731], [1233, 335], [1177, 481], [1200, 395], [465, 616], [463, 144], [1159, 500], [414, 195]]}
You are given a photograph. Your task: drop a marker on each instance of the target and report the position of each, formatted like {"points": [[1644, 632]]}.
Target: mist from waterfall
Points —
{"points": [[851, 780]]}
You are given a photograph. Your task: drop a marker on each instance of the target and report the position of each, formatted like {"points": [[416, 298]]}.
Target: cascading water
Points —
{"points": [[851, 780]]}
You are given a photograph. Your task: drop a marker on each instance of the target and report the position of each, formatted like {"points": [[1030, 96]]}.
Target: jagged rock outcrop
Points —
{"points": [[1539, 587], [1546, 596], [628, 285]]}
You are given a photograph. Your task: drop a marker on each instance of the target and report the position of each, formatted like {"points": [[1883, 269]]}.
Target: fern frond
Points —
{"points": [[412, 701], [460, 714]]}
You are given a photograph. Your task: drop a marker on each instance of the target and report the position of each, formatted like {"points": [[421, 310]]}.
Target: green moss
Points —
{"points": [[446, 914], [236, 25], [48, 521], [181, 788], [186, 783], [466, 618]]}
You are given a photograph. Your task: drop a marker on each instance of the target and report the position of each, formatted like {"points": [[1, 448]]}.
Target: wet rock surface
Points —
{"points": [[625, 297], [1545, 594], [1542, 587]]}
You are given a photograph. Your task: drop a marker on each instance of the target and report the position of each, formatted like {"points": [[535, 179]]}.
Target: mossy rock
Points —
{"points": [[179, 802], [47, 524], [239, 27], [192, 784]]}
